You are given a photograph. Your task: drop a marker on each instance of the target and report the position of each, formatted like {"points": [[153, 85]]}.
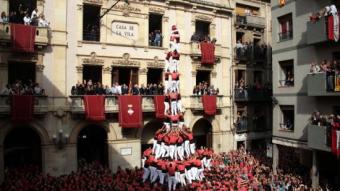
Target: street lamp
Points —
{"points": [[60, 139], [108, 10]]}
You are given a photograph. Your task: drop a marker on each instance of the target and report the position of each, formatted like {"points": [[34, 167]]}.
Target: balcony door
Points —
{"points": [[19, 71], [124, 75]]}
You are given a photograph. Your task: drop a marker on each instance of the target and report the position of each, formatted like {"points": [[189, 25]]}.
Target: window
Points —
{"points": [[93, 73], [155, 30], [26, 6], [203, 76], [285, 27], [287, 118], [91, 22], [25, 72], [202, 30], [286, 73], [154, 76], [122, 75]]}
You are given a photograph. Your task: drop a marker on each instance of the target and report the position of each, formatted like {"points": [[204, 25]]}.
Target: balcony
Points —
{"points": [[251, 124], [319, 137], [41, 35], [317, 85], [197, 105], [251, 21], [241, 126], [40, 105], [317, 31], [195, 51], [248, 95], [111, 104]]}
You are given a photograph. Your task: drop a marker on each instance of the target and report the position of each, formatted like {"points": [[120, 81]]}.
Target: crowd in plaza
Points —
{"points": [[96, 88], [332, 70], [23, 15], [236, 170], [203, 88], [23, 88]]}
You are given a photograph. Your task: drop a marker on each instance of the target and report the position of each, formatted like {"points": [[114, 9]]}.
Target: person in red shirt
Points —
{"points": [[181, 170], [172, 182]]}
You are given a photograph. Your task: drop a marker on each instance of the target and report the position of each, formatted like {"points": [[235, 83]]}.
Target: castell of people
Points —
{"points": [[169, 95]]}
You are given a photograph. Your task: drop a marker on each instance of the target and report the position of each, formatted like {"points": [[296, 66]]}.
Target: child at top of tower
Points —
{"points": [[174, 37]]}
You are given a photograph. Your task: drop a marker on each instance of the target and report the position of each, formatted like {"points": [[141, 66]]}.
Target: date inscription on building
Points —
{"points": [[126, 30]]}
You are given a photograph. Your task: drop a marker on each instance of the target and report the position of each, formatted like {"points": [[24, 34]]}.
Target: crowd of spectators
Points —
{"points": [[23, 88], [324, 120], [23, 15], [199, 37], [203, 88], [96, 88], [241, 89], [245, 50], [155, 38], [237, 170], [332, 70]]}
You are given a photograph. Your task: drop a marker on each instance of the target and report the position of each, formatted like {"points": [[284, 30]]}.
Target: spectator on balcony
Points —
{"points": [[13, 17], [34, 13], [7, 90], [195, 37], [43, 22], [34, 21], [289, 79], [151, 38], [98, 89], [27, 19], [158, 38], [316, 118], [135, 90], [38, 90], [337, 77], [3, 18], [125, 89], [314, 68], [142, 90], [330, 74]]}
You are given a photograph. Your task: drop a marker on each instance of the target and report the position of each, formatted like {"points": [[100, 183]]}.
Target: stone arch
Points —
{"points": [[148, 132], [78, 127], [22, 145], [92, 144], [212, 120], [202, 130]]}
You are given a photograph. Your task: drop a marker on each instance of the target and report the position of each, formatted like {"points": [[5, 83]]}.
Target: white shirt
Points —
{"points": [[27, 20], [119, 89], [6, 91], [37, 90], [34, 13], [43, 23]]}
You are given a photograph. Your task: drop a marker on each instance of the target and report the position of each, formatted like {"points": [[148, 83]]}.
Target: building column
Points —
{"points": [[275, 158], [80, 73], [315, 171], [39, 69], [107, 76], [3, 74], [2, 164], [143, 76]]}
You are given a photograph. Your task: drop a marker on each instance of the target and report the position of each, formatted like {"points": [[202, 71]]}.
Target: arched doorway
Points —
{"points": [[22, 146], [149, 131], [202, 132], [92, 145]]}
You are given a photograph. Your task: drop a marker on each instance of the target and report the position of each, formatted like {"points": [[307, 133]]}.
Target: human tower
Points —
{"points": [[173, 159]]}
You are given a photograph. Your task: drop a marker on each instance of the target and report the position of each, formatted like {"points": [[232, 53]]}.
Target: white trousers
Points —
{"points": [[146, 174], [174, 107], [172, 182], [188, 175], [166, 107], [187, 147], [192, 148]]}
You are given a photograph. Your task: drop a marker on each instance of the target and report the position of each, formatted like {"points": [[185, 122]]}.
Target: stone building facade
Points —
{"points": [[73, 50]]}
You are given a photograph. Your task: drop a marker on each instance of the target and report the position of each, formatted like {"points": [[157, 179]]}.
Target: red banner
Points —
{"points": [[22, 108], [94, 107], [335, 139], [208, 53], [209, 104], [159, 106], [130, 111], [22, 37]]}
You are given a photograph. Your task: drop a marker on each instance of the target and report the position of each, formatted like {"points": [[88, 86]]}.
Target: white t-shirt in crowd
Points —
{"points": [[43, 23]]}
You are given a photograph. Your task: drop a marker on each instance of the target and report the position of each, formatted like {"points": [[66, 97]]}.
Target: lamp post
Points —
{"points": [[108, 10], [60, 139]]}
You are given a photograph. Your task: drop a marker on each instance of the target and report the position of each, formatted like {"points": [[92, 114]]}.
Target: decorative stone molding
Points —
{"points": [[203, 67], [143, 71], [156, 63], [204, 18], [39, 67], [126, 62], [193, 73], [98, 2], [156, 10], [127, 9], [93, 59], [24, 57], [107, 70], [79, 69], [80, 7], [165, 19]]}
